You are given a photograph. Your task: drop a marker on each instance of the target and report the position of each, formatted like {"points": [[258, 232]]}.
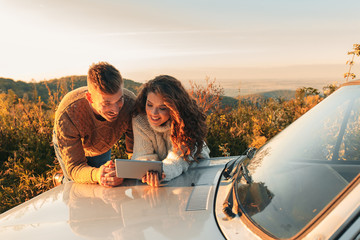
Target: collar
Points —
{"points": [[163, 128]]}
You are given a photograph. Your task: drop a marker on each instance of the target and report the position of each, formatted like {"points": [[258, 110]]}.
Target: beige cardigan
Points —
{"points": [[152, 143]]}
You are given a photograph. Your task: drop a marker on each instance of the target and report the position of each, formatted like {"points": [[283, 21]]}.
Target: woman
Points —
{"points": [[168, 126]]}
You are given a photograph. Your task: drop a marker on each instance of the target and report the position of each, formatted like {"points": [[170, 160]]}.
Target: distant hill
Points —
{"points": [[19, 87], [257, 97], [229, 101], [66, 84], [260, 97], [61, 85]]}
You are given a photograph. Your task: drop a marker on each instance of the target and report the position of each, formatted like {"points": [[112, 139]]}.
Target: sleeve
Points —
{"points": [[129, 140], [174, 165], [72, 152], [143, 146], [129, 98]]}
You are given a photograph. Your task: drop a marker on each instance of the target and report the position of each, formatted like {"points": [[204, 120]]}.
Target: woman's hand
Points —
{"points": [[152, 178], [107, 175]]}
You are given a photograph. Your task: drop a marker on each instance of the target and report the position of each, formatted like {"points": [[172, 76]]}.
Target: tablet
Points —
{"points": [[126, 168]]}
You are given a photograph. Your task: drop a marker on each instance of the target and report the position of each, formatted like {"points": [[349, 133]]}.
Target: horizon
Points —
{"points": [[232, 42], [243, 87]]}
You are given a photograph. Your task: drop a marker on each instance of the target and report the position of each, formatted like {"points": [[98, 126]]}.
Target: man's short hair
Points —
{"points": [[104, 77]]}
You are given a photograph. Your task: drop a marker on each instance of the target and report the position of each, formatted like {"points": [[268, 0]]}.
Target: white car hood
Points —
{"points": [[180, 209]]}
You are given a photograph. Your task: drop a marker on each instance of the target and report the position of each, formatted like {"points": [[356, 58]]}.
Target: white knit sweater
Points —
{"points": [[153, 143]]}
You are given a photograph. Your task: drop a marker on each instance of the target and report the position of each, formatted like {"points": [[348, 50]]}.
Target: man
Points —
{"points": [[88, 122]]}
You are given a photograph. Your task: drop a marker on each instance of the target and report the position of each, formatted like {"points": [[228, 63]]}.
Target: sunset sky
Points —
{"points": [[230, 40]]}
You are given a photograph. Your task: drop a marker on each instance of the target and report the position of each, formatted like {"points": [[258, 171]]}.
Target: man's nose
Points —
{"points": [[115, 108]]}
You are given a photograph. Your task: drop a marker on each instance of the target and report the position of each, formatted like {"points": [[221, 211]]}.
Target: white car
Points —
{"points": [[303, 184]]}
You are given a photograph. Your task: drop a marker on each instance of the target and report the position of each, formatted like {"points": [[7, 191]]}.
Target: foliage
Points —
{"points": [[208, 97], [329, 89], [56, 86], [251, 125], [355, 52], [27, 159]]}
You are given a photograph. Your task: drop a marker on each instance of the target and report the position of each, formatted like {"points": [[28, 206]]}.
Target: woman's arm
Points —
{"points": [[174, 165]]}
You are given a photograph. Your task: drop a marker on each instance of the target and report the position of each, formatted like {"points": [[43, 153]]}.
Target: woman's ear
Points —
{"points": [[88, 97]]}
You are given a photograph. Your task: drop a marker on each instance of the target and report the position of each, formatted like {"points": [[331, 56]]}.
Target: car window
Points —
{"points": [[299, 172]]}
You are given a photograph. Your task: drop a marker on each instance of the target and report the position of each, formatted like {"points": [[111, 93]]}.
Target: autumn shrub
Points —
{"points": [[27, 159], [232, 131], [223, 138], [207, 96]]}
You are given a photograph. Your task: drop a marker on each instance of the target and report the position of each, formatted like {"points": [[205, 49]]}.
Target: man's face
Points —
{"points": [[107, 106]]}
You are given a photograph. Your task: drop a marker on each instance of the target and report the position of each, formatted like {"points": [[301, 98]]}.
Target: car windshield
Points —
{"points": [[301, 170]]}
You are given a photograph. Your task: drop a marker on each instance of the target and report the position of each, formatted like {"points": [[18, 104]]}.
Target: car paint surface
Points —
{"points": [[180, 209]]}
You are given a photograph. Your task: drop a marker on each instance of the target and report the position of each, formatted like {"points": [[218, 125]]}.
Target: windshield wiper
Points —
{"points": [[245, 173], [231, 168], [235, 171]]}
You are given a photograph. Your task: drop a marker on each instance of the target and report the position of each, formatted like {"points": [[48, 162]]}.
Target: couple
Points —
{"points": [[163, 123]]}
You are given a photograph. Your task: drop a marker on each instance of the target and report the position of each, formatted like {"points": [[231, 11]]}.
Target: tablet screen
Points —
{"points": [[126, 168]]}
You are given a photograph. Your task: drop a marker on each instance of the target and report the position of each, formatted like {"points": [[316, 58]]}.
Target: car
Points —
{"points": [[302, 184]]}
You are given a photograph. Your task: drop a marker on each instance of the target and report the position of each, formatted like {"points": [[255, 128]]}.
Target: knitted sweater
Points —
{"points": [[153, 143], [80, 134]]}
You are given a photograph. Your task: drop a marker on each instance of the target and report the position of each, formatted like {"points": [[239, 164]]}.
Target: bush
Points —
{"points": [[27, 159]]}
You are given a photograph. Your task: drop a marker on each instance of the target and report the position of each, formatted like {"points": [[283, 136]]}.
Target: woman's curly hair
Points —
{"points": [[188, 121]]}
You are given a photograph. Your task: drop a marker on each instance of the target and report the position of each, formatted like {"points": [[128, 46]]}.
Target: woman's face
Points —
{"points": [[156, 110]]}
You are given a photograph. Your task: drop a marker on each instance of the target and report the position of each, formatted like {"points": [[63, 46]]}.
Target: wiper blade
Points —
{"points": [[250, 152], [235, 171], [245, 173], [231, 168]]}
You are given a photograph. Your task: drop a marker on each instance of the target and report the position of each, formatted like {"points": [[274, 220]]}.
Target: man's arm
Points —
{"points": [[72, 152]]}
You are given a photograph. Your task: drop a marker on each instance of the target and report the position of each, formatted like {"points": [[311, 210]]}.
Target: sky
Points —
{"points": [[232, 41]]}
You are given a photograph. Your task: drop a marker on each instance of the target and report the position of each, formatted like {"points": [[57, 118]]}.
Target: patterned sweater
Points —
{"points": [[153, 143], [80, 134]]}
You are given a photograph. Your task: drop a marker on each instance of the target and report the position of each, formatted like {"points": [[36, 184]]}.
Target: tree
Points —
{"points": [[303, 92], [354, 53], [330, 88], [208, 97]]}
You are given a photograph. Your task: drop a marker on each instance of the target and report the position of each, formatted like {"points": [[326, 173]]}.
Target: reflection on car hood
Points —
{"points": [[180, 209]]}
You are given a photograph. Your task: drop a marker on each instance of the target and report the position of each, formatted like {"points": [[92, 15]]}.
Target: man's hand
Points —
{"points": [[107, 175]]}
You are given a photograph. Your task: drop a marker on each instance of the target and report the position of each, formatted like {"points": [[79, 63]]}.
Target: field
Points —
{"points": [[27, 159]]}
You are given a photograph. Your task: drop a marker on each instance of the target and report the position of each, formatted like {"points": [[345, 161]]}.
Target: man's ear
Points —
{"points": [[88, 97]]}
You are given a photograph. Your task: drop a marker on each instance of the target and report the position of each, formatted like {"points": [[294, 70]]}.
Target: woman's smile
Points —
{"points": [[156, 110]]}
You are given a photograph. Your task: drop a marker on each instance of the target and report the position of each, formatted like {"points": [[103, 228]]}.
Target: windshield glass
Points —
{"points": [[302, 169]]}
